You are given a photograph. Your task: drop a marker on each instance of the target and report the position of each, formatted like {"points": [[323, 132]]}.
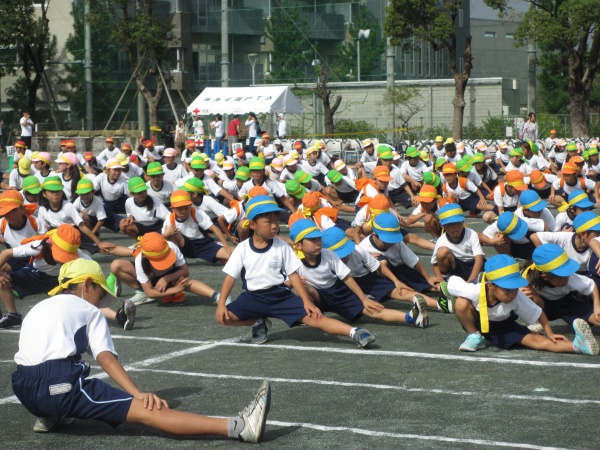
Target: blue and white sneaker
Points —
{"points": [[260, 331], [584, 341], [363, 337], [474, 342], [446, 301]]}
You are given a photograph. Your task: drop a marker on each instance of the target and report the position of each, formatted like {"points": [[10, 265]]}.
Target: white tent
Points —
{"points": [[242, 100]]}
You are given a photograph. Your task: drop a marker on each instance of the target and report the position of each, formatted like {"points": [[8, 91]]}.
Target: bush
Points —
{"points": [[438, 130], [355, 129]]}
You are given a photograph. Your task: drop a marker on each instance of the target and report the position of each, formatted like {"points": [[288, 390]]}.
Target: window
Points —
{"points": [[460, 18], [490, 34], [435, 63], [461, 63], [427, 60], [510, 35], [176, 59]]}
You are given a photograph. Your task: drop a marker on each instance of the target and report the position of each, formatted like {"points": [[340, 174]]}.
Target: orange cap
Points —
{"points": [[380, 202], [552, 131], [514, 178], [427, 194], [66, 240], [449, 168], [70, 143], [294, 217], [155, 247], [148, 143], [537, 179], [9, 200], [298, 145], [311, 199], [180, 198], [382, 173], [576, 160], [569, 168], [256, 191]]}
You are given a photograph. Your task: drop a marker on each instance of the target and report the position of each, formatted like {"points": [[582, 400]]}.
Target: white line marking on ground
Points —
{"points": [[159, 339], [367, 352], [411, 436], [372, 386]]}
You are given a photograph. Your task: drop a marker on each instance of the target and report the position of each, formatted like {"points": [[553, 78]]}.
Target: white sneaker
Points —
{"points": [[419, 311], [141, 298], [48, 424], [536, 328], [255, 415]]}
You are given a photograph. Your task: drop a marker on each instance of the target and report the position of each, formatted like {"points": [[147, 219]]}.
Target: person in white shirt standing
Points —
{"points": [[26, 128], [281, 126]]}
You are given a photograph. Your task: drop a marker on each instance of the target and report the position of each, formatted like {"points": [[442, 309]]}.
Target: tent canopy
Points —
{"points": [[262, 99]]}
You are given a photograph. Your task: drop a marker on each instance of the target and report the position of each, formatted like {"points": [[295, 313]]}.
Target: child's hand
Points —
{"points": [[234, 240], [161, 285], [568, 228], [482, 204], [182, 284], [106, 247], [222, 314], [556, 337], [434, 281], [400, 287], [5, 280], [312, 310], [527, 291], [372, 306], [414, 201], [152, 400], [170, 230], [551, 198]]}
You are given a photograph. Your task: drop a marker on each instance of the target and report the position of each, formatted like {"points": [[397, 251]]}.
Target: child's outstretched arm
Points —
{"points": [[309, 306], [548, 329], [371, 306]]}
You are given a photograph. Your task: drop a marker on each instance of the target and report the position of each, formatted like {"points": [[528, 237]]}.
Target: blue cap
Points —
{"points": [[387, 227], [503, 270], [303, 229], [512, 225], [531, 200], [583, 202], [451, 213], [336, 240], [552, 258], [586, 221], [261, 204]]}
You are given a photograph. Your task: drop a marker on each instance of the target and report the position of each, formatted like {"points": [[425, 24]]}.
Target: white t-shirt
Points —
{"points": [[42, 178], [365, 157], [524, 168], [141, 213], [437, 153], [219, 128], [233, 215], [523, 307], [110, 191], [323, 274], [174, 174], [50, 329], [461, 193], [535, 226], [589, 185], [13, 237], [562, 220], [281, 128], [141, 275], [105, 155], [164, 195], [416, 172], [538, 162], [190, 228], [26, 127], [398, 254], [49, 219], [94, 209], [579, 283], [546, 217], [504, 200], [274, 188], [156, 152], [559, 157], [361, 262], [566, 240], [133, 171], [346, 185], [34, 249], [211, 207], [363, 215], [465, 250], [314, 169], [15, 179], [263, 268]]}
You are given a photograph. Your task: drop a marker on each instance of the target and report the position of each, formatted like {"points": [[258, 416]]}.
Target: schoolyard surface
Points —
{"points": [[411, 389]]}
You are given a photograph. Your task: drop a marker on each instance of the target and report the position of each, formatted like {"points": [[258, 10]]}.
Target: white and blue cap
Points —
{"points": [[512, 225], [451, 213], [387, 227], [532, 201], [261, 204], [304, 229], [552, 258], [503, 270], [335, 239]]}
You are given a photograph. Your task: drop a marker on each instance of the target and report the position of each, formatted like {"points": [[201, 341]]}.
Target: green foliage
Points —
{"points": [[371, 49], [438, 130], [495, 127], [352, 128], [407, 101], [292, 52], [553, 80]]}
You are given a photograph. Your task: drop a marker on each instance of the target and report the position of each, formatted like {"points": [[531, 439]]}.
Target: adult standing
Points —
{"points": [[529, 129], [219, 130], [169, 134], [281, 126], [1, 136], [26, 128], [253, 126], [180, 135], [233, 133]]}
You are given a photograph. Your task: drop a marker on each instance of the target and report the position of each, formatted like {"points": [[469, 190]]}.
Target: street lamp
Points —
{"points": [[365, 34], [252, 57]]}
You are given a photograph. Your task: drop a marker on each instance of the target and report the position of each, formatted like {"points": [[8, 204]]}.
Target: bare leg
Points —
{"points": [[539, 342], [125, 272], [199, 288], [222, 254], [489, 217], [8, 299], [387, 315], [328, 325]]}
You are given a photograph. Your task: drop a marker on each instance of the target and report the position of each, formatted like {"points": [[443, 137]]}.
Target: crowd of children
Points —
{"points": [[231, 211]]}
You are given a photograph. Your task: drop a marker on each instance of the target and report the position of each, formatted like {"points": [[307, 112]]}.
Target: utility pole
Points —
{"points": [[224, 44], [390, 72], [89, 111], [531, 64]]}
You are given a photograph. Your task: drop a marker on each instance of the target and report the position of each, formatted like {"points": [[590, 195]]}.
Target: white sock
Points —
{"points": [[352, 332]]}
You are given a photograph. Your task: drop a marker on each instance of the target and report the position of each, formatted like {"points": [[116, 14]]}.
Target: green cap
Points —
{"points": [[137, 184], [31, 184], [571, 147], [194, 185], [243, 173], [53, 184], [256, 163], [154, 168], [464, 166], [384, 152], [516, 152], [334, 176], [534, 147], [198, 163], [478, 158], [84, 186], [302, 177], [431, 178], [412, 152], [440, 162], [467, 158], [585, 155], [295, 189], [592, 151]]}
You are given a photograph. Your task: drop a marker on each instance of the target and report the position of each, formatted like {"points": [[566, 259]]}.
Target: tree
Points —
{"points": [[145, 36], [25, 35], [292, 51], [572, 27], [433, 21], [371, 49], [407, 103], [104, 57], [326, 95]]}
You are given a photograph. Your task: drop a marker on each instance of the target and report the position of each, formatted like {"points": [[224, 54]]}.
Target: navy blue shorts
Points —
{"points": [[400, 197], [278, 302], [204, 248], [543, 193], [506, 209], [469, 203], [347, 197], [462, 269], [504, 333], [59, 388], [560, 192], [568, 308], [409, 276], [522, 251], [343, 225], [375, 285], [341, 300], [18, 263], [155, 227], [29, 281]]}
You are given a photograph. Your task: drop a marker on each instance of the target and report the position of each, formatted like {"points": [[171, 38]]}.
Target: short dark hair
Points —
{"points": [[264, 215]]}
